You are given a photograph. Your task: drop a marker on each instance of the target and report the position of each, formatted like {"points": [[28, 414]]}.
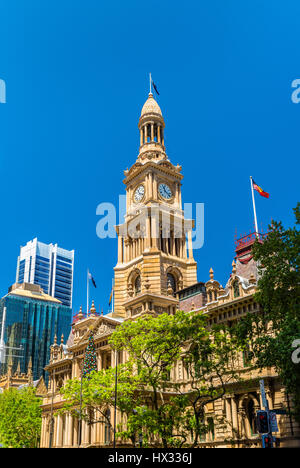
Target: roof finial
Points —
{"points": [[150, 83], [211, 274], [93, 309]]}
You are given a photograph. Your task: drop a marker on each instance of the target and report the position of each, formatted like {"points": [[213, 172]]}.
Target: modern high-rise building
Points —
{"points": [[29, 321], [49, 266]]}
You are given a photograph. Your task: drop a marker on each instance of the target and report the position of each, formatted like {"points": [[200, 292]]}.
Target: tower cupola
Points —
{"points": [[151, 126]]}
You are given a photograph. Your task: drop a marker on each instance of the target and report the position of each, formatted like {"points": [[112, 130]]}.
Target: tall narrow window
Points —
{"points": [[171, 282], [155, 132], [137, 285]]}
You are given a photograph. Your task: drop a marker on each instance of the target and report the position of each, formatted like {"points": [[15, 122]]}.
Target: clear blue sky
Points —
{"points": [[77, 76]]}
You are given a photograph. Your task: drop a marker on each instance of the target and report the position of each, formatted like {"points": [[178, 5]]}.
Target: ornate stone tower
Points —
{"points": [[154, 260]]}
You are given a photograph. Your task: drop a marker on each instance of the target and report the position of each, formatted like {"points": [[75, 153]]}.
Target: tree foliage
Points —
{"points": [[20, 418], [156, 408], [171, 414], [98, 395], [271, 334]]}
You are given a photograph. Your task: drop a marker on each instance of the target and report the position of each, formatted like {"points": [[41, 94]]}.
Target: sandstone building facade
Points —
{"points": [[156, 273]]}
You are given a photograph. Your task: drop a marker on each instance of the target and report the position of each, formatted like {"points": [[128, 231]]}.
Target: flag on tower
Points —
{"points": [[155, 87], [260, 190], [92, 279]]}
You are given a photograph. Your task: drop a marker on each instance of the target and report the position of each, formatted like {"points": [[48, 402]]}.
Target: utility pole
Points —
{"points": [[52, 418], [116, 395]]}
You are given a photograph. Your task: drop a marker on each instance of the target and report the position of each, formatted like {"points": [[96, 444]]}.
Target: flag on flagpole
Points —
{"points": [[260, 190], [111, 295], [92, 279], [155, 87]]}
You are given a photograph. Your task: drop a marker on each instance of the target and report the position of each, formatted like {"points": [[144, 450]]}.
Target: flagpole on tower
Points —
{"points": [[150, 79], [113, 291], [87, 293], [254, 208]]}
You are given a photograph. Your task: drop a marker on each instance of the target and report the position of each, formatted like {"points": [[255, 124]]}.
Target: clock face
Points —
{"points": [[139, 193], [165, 191]]}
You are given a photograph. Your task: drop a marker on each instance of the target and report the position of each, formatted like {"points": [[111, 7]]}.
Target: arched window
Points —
{"points": [[148, 133], [137, 285], [251, 417], [211, 429], [236, 289], [155, 132], [171, 281]]}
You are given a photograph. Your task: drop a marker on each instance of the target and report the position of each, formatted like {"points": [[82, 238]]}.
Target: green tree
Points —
{"points": [[20, 418], [210, 358], [270, 335], [154, 345], [98, 396], [156, 409]]}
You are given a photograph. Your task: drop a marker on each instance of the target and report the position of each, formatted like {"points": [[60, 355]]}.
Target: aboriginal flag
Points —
{"points": [[260, 190]]}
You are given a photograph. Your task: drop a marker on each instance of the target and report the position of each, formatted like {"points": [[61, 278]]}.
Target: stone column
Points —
{"points": [[152, 132], [190, 245], [154, 230], [75, 432], [235, 424], [59, 431], [141, 137], [42, 442], [146, 133], [158, 133], [184, 250], [69, 430], [228, 415], [154, 185], [93, 433], [86, 433], [151, 184], [173, 249], [120, 249]]}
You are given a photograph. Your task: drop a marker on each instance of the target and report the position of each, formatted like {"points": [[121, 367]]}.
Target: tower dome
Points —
{"points": [[151, 107]]}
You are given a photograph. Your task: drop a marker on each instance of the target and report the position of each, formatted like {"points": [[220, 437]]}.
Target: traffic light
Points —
{"points": [[263, 425], [267, 441]]}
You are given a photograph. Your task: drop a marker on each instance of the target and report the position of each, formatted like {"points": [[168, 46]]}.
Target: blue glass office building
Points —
{"points": [[49, 266], [31, 320]]}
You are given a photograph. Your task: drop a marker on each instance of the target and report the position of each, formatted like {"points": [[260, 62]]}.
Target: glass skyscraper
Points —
{"points": [[49, 266], [29, 320]]}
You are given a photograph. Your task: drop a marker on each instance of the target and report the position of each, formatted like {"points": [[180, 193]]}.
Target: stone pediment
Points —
{"points": [[102, 327]]}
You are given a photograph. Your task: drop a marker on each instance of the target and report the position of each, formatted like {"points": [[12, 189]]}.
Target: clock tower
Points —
{"points": [[155, 255]]}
